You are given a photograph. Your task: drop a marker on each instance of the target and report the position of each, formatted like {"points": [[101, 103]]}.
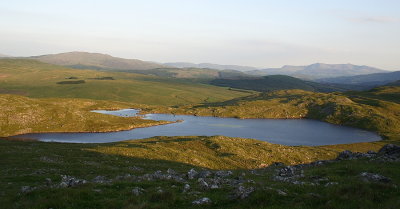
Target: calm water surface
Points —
{"points": [[278, 131]]}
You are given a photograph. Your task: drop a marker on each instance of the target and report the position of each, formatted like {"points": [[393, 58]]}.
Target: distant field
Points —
{"points": [[36, 79]]}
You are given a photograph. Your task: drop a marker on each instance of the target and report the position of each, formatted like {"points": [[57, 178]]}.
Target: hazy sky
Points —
{"points": [[260, 33]]}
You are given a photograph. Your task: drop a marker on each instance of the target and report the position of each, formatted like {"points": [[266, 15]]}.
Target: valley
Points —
{"points": [[175, 170]]}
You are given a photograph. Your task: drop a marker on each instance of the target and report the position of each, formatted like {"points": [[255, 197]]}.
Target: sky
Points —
{"points": [[260, 33]]}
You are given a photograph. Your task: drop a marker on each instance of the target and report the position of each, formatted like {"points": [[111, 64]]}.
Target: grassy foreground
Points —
{"points": [[30, 163]]}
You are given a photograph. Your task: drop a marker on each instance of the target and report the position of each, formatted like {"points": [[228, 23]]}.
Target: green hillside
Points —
{"points": [[21, 115], [198, 73], [36, 79], [275, 82]]}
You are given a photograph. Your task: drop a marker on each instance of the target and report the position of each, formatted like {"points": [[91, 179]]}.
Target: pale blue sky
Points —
{"points": [[244, 32]]}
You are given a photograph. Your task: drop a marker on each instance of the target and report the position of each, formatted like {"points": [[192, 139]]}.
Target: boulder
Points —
{"points": [[192, 173], [202, 201], [186, 188], [137, 191], [287, 171], [203, 184]]}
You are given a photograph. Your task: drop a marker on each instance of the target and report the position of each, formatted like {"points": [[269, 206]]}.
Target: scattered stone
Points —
{"points": [[203, 184], [171, 171], [159, 190], [331, 184], [223, 174], [137, 191], [280, 192], [242, 192], [202, 201], [347, 154], [287, 171], [186, 188], [100, 180], [192, 173], [97, 190], [204, 174], [373, 177], [27, 189], [69, 181]]}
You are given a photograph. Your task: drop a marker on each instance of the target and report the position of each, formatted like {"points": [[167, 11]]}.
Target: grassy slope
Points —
{"points": [[362, 112], [30, 163], [220, 152], [36, 79], [267, 83], [20, 115]]}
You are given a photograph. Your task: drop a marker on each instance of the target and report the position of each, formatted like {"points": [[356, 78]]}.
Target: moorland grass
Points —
{"points": [[36, 79], [19, 115], [30, 163]]}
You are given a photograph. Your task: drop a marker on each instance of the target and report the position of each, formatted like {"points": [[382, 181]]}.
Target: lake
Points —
{"points": [[278, 131]]}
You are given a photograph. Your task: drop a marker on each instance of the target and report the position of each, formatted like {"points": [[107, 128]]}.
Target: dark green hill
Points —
{"points": [[275, 82]]}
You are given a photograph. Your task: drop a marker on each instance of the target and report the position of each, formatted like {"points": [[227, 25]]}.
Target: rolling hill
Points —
{"points": [[86, 60], [275, 82], [41, 80], [209, 66], [374, 79], [199, 73], [318, 71]]}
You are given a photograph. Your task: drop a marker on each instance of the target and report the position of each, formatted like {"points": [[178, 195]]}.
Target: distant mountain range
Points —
{"points": [[209, 66], [96, 61], [3, 55], [318, 71], [374, 79]]}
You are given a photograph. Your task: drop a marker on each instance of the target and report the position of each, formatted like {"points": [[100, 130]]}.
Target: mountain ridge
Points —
{"points": [[99, 61], [319, 70], [210, 65]]}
